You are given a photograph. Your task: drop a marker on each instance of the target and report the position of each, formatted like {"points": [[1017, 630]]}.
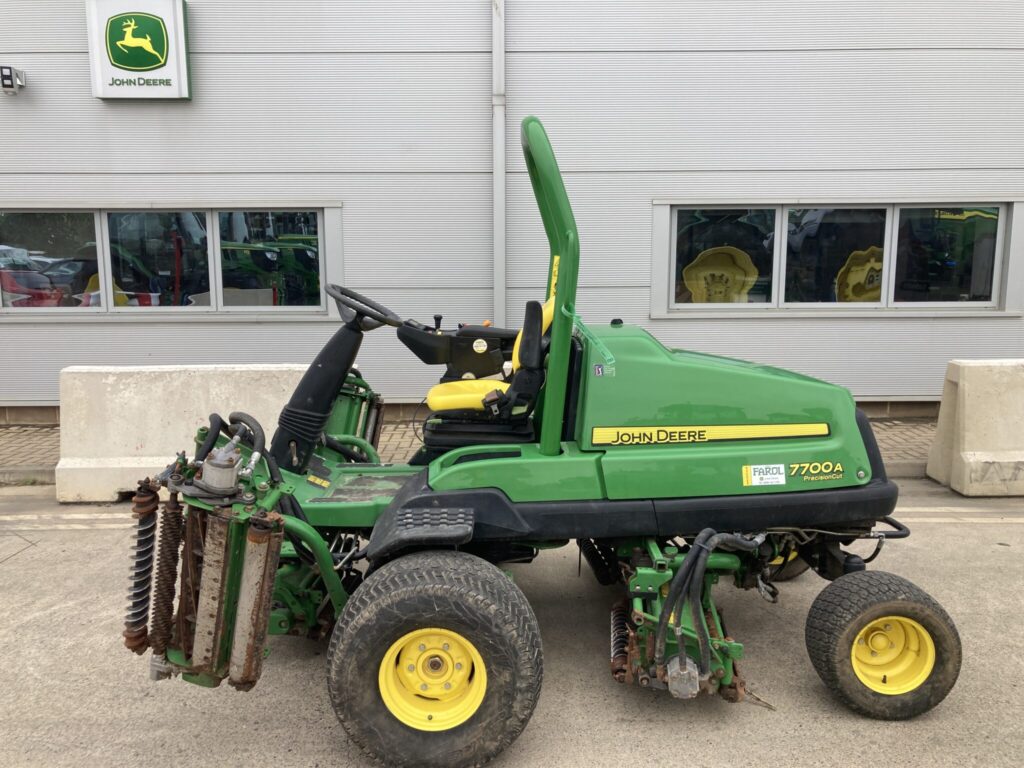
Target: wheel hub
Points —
{"points": [[432, 679], [893, 655]]}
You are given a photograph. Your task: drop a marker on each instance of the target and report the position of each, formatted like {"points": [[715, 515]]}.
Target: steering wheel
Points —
{"points": [[368, 313]]}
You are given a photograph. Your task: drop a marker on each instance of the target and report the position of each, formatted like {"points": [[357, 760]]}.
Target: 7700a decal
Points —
{"points": [[811, 471]]}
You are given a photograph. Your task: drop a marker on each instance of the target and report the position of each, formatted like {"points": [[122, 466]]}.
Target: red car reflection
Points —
{"points": [[24, 288]]}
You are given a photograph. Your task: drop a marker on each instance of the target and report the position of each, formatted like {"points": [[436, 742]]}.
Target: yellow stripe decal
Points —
{"points": [[746, 475], [705, 434]]}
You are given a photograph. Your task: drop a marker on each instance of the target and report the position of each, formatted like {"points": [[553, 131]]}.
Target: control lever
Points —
{"points": [[437, 322]]}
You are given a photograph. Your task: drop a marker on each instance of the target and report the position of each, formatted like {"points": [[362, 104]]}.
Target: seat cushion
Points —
{"points": [[462, 395]]}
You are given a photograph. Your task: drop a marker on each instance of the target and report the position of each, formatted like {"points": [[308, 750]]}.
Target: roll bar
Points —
{"points": [[563, 272]]}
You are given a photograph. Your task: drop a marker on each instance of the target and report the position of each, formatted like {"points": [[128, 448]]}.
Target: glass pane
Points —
{"points": [[48, 260], [724, 256], [946, 254], [270, 258], [835, 254], [159, 259]]}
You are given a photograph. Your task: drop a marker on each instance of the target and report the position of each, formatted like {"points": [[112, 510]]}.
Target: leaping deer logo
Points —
{"points": [[130, 41], [137, 42]]}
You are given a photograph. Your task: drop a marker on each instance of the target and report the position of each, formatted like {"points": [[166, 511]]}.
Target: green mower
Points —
{"points": [[671, 470]]}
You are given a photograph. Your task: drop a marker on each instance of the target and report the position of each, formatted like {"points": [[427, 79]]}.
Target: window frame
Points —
{"points": [[249, 308], [998, 261], [664, 262], [101, 268], [854, 306], [329, 212], [675, 306], [163, 309]]}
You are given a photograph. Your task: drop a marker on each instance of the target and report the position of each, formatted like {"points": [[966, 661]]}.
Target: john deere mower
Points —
{"points": [[671, 470]]}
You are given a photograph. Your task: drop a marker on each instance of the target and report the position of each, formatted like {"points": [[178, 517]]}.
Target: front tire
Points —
{"points": [[883, 646], [435, 661]]}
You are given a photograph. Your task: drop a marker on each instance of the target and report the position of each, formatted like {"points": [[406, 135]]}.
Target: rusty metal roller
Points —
{"points": [[171, 523], [144, 505]]}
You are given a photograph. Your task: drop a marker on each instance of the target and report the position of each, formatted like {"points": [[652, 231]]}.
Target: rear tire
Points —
{"points": [[480, 616], [883, 646]]}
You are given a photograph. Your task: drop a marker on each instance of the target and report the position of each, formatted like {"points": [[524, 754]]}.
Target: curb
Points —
{"points": [[905, 469], [27, 475]]}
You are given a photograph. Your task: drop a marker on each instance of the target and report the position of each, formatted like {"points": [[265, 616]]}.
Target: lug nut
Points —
{"points": [[423, 647], [458, 665], [423, 687], [447, 686], [412, 667], [445, 647]]}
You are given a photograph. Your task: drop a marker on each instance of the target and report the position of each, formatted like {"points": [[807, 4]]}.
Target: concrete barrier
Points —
{"points": [[121, 423], [979, 441]]}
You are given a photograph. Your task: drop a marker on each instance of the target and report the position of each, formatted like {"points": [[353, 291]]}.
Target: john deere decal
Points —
{"points": [[137, 41], [703, 434]]}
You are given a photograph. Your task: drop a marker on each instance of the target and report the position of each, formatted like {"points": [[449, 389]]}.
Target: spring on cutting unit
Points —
{"points": [[620, 640], [171, 523], [144, 505]]}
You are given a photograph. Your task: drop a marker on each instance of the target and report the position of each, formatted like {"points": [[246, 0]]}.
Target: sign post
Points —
{"points": [[138, 49]]}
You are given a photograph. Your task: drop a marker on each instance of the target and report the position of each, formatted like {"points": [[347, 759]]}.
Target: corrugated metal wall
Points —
{"points": [[751, 102], [385, 109]]}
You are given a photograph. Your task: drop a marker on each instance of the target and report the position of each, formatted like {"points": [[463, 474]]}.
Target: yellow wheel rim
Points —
{"points": [[893, 655], [432, 679]]}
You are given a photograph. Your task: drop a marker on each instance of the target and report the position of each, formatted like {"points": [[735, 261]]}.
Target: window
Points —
{"points": [[163, 261], [48, 260], [270, 258], [724, 256], [850, 256], [159, 259], [946, 254]]}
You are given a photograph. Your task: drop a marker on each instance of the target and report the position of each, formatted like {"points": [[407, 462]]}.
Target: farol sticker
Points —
{"points": [[764, 474]]}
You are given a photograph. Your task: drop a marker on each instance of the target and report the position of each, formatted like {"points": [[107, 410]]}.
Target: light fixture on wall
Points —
{"points": [[11, 80]]}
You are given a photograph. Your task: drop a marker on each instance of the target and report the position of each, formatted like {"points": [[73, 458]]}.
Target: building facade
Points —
{"points": [[833, 187]]}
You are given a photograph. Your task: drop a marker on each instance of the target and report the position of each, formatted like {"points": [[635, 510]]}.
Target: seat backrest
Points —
{"points": [[545, 314], [524, 389]]}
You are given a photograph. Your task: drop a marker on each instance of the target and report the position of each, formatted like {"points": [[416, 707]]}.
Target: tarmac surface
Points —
{"points": [[73, 696]]}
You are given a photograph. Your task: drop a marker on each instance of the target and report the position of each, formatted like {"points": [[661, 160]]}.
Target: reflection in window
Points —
{"points": [[270, 258], [159, 259], [946, 254], [834, 254], [48, 260], [724, 256]]}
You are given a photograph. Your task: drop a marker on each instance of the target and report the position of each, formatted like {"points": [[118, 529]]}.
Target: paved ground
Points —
{"points": [[72, 695], [29, 454]]}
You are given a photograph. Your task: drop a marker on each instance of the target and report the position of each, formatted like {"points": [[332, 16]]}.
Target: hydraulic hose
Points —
{"points": [[352, 455], [695, 588], [688, 582], [259, 439], [675, 591], [216, 425]]}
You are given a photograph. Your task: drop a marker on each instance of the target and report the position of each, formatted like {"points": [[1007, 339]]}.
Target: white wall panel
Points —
{"points": [[765, 110], [291, 113], [875, 357], [233, 27], [731, 25]]}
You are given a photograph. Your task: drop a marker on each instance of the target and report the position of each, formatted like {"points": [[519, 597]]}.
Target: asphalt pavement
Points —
{"points": [[71, 695]]}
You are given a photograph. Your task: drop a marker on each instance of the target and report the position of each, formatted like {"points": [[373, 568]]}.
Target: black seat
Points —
{"points": [[502, 412]]}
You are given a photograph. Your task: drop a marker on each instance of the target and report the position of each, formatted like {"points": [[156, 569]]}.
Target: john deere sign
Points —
{"points": [[138, 49]]}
